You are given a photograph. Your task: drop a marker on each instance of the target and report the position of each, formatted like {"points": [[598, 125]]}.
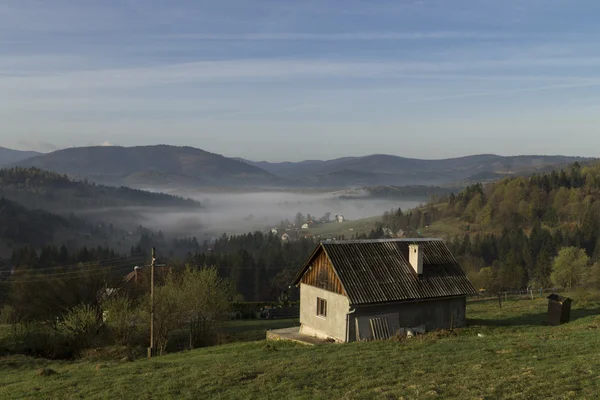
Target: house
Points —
{"points": [[305, 226], [285, 237], [138, 280], [339, 218], [274, 231], [366, 289]]}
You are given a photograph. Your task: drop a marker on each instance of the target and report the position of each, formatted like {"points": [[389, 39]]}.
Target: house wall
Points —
{"points": [[434, 314], [334, 325], [321, 274]]}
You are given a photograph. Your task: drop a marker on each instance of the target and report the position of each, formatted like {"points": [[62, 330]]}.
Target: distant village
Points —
{"points": [[301, 226], [308, 228]]}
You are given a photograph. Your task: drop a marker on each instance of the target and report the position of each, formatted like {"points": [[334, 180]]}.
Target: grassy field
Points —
{"points": [[348, 228], [504, 353]]}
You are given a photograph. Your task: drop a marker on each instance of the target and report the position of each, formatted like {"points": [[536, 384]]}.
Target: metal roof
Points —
{"points": [[377, 271]]}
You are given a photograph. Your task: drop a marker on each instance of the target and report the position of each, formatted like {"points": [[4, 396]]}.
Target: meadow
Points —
{"points": [[504, 353]]}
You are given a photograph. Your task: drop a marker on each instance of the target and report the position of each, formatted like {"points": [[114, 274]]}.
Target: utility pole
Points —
{"points": [[151, 349]]}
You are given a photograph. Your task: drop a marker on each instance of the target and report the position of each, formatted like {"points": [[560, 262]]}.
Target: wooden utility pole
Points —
{"points": [[151, 349]]}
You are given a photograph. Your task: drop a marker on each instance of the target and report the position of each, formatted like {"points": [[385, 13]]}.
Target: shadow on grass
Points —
{"points": [[536, 319]]}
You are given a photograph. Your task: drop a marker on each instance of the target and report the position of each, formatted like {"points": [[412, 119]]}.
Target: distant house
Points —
{"points": [[370, 289], [305, 226], [339, 218], [139, 278], [285, 237], [274, 231]]}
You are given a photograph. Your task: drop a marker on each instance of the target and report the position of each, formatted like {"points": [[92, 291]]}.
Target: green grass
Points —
{"points": [[348, 228], [254, 330], [518, 357]]}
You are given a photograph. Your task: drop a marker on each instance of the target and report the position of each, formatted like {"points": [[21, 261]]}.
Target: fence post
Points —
{"points": [[499, 300]]}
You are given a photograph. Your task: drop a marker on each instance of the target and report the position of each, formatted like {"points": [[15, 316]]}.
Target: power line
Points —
{"points": [[90, 263], [248, 268], [55, 277], [106, 268]]}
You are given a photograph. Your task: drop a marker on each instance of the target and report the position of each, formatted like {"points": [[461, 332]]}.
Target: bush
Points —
{"points": [[122, 320], [38, 340], [81, 325], [8, 315], [584, 296]]}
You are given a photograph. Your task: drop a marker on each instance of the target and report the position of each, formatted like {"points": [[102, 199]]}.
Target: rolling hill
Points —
{"points": [[177, 167], [156, 166], [50, 191], [382, 169], [10, 156], [22, 226], [504, 353]]}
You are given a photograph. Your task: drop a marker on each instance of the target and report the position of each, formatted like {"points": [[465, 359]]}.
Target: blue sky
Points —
{"points": [[292, 80]]}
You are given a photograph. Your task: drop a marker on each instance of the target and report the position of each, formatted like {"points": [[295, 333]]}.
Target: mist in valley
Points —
{"points": [[241, 212]]}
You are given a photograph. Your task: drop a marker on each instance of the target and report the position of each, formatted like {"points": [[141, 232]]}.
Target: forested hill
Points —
{"points": [[507, 234], [172, 166], [385, 170], [37, 189], [155, 166], [567, 198], [10, 156], [33, 227]]}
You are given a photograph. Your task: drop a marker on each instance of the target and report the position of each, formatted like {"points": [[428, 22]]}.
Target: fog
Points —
{"points": [[243, 212]]}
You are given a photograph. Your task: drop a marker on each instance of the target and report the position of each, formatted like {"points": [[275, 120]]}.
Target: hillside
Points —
{"points": [[10, 156], [504, 353], [155, 166], [178, 167], [36, 228], [394, 192], [507, 233], [33, 227], [37, 189], [381, 169]]}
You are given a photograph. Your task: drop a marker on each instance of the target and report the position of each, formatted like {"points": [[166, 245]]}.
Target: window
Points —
{"points": [[321, 307]]}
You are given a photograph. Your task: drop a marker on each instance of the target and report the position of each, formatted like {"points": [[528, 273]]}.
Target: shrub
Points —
{"points": [[122, 319], [8, 315], [81, 325], [38, 340], [583, 296]]}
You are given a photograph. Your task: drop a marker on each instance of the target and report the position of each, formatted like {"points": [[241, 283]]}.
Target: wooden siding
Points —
{"points": [[321, 275]]}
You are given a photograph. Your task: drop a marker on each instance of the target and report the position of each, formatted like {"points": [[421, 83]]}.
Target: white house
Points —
{"points": [[373, 289]]}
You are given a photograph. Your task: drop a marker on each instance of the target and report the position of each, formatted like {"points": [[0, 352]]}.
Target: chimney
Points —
{"points": [[415, 257]]}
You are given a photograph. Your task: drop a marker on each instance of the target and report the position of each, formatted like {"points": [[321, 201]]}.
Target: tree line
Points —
{"points": [[516, 227], [38, 189]]}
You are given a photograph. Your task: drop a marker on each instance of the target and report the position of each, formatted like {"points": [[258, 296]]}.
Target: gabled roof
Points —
{"points": [[377, 271]]}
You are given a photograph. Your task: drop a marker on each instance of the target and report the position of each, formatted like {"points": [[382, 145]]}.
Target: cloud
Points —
{"points": [[37, 145], [508, 91], [341, 36], [203, 72]]}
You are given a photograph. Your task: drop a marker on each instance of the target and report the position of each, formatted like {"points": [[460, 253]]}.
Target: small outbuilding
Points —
{"points": [[559, 309], [369, 289]]}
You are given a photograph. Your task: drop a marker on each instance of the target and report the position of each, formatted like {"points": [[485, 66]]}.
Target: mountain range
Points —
{"points": [[171, 167], [10, 156], [151, 166]]}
